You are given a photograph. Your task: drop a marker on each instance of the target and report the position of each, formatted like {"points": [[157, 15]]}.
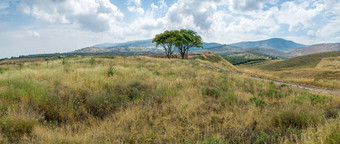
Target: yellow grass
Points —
{"points": [[151, 100]]}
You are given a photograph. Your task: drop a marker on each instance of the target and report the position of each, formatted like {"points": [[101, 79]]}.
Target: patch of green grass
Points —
{"points": [[334, 138], [318, 99], [213, 58], [212, 92], [295, 119], [14, 128], [258, 101]]}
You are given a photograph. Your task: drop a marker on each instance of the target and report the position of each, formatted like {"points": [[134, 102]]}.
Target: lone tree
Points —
{"points": [[166, 40], [182, 39], [187, 39]]}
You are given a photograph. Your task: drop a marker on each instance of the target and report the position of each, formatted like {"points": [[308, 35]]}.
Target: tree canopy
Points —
{"points": [[182, 39]]}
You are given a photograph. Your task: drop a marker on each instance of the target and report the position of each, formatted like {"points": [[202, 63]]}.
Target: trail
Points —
{"points": [[301, 86]]}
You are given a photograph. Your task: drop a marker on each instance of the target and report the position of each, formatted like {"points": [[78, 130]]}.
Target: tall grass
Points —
{"points": [[150, 100]]}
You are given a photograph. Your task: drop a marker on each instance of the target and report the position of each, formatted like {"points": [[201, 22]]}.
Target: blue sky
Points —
{"points": [[49, 26]]}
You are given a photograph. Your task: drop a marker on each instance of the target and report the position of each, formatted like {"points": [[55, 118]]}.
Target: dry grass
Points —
{"points": [[150, 100]]}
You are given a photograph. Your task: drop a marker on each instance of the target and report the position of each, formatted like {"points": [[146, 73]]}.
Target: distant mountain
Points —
{"points": [[274, 47], [318, 48], [273, 43]]}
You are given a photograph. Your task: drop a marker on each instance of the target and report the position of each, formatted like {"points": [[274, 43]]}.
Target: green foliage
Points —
{"points": [[213, 58], [2, 70], [266, 137], [334, 138], [258, 101], [102, 104], [182, 39], [298, 99], [167, 40], [295, 119], [275, 93], [14, 127], [132, 89], [92, 61], [111, 70], [64, 61], [20, 66], [318, 99], [212, 92], [185, 39]]}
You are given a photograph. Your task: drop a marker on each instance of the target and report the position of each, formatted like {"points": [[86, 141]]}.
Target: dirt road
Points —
{"points": [[302, 86]]}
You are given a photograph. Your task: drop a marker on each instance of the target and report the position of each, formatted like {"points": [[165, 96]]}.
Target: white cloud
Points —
{"points": [[96, 15], [139, 10]]}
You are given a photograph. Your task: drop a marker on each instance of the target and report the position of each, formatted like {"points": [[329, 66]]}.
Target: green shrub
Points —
{"points": [[229, 99], [258, 101], [298, 99], [101, 105], [132, 89], [2, 70], [274, 93], [14, 128], [212, 92], [318, 99], [111, 70], [20, 66], [92, 61], [294, 119], [213, 58], [333, 138], [263, 137]]}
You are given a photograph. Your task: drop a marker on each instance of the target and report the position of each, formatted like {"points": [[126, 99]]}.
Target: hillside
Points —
{"points": [[138, 99], [318, 48], [273, 43], [332, 63], [307, 61]]}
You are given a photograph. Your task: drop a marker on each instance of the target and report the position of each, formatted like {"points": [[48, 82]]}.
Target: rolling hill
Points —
{"points": [[318, 48], [306, 61], [273, 43]]}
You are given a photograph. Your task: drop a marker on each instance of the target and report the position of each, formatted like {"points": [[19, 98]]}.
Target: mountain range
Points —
{"points": [[275, 47]]}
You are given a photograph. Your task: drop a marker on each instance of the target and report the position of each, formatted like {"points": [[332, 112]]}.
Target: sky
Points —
{"points": [[50, 26]]}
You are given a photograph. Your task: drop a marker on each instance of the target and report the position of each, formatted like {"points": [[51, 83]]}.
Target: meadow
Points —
{"points": [[320, 69], [139, 99]]}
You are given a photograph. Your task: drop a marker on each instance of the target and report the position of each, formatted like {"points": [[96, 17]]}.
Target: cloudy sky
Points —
{"points": [[49, 26]]}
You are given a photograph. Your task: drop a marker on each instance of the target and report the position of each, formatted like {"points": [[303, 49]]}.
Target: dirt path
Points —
{"points": [[302, 86]]}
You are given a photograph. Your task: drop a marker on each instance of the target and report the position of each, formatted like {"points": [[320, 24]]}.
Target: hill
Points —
{"points": [[332, 63], [307, 61], [318, 48], [138, 99], [273, 43]]}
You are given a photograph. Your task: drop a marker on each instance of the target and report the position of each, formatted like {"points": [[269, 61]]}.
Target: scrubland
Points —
{"points": [[112, 99]]}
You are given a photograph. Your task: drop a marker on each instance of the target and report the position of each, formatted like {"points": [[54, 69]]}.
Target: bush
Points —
{"points": [[258, 101], [293, 119], [92, 61], [101, 105], [20, 66], [14, 128], [2, 70], [111, 70], [212, 92], [318, 99], [132, 89]]}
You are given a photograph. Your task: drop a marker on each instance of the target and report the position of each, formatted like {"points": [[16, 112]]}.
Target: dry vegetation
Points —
{"points": [[323, 72], [151, 100]]}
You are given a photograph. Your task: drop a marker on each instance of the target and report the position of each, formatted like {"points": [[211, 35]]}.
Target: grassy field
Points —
{"points": [[307, 61], [150, 100], [318, 69]]}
